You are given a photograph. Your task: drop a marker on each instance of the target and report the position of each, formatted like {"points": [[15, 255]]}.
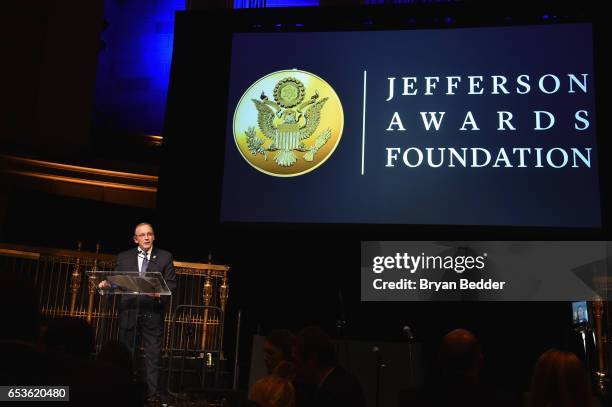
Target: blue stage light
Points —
{"points": [[275, 3], [134, 68]]}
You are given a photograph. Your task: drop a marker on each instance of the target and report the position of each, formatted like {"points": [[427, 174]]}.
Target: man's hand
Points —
{"points": [[104, 284]]}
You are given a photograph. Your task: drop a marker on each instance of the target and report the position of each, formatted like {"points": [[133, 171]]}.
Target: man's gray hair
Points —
{"points": [[143, 224]]}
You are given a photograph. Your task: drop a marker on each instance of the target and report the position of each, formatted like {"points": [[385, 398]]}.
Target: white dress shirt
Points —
{"points": [[141, 257]]}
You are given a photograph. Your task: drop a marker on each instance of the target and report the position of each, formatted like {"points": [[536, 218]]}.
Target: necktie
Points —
{"points": [[145, 263]]}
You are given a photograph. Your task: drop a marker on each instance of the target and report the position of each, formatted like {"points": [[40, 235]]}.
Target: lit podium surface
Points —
{"points": [[129, 282]]}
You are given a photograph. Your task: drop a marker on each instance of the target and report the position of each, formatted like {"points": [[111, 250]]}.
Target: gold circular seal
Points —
{"points": [[293, 132]]}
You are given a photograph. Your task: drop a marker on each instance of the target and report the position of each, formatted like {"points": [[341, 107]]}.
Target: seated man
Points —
{"points": [[316, 365]]}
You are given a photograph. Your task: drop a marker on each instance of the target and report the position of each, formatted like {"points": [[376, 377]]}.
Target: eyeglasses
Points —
{"points": [[142, 235]]}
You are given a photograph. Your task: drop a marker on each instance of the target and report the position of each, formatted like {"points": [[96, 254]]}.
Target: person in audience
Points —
{"points": [[277, 348], [460, 359], [560, 380], [316, 366], [273, 391], [25, 362], [458, 379]]}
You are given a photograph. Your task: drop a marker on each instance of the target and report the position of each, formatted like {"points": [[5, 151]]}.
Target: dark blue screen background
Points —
{"points": [[336, 192]]}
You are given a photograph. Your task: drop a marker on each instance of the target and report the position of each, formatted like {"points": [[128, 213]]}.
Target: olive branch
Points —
{"points": [[255, 144]]}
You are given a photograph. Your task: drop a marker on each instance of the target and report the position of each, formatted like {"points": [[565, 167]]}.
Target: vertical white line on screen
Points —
{"points": [[365, 76]]}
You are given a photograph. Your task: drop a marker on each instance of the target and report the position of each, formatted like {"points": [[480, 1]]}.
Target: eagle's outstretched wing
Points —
{"points": [[265, 118], [313, 117]]}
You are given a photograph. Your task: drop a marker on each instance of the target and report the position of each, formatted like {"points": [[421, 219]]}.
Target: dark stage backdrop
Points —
{"points": [[303, 272]]}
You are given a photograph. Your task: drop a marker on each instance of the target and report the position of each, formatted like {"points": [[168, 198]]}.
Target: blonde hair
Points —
{"points": [[273, 391]]}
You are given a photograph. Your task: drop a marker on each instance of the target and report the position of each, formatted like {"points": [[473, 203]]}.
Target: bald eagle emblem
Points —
{"points": [[287, 122]]}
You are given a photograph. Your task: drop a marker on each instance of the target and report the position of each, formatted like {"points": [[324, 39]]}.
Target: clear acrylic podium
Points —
{"points": [[128, 283]]}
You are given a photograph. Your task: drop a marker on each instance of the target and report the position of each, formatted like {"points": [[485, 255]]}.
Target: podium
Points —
{"points": [[129, 283], [132, 284]]}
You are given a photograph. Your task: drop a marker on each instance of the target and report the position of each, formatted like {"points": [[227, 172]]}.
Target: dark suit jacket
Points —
{"points": [[340, 388], [160, 261]]}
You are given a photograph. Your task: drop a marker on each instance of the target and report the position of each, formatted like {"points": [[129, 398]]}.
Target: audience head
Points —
{"points": [[560, 380], [277, 348], [70, 335], [273, 391], [313, 353], [460, 357]]}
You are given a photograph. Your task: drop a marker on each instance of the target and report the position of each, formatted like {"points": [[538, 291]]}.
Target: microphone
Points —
{"points": [[143, 255], [379, 358], [410, 337], [408, 332]]}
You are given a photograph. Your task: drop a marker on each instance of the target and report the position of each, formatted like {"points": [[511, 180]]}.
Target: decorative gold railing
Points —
{"points": [[64, 290]]}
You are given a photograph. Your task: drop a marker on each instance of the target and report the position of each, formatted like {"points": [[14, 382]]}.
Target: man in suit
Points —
{"points": [[324, 382], [144, 314]]}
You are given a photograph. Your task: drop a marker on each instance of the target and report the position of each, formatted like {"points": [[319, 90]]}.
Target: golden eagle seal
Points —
{"points": [[296, 121], [290, 127]]}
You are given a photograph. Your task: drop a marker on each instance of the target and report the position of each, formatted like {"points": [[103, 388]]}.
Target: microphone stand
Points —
{"points": [[411, 368], [380, 364], [584, 331], [236, 350], [341, 326], [410, 338]]}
